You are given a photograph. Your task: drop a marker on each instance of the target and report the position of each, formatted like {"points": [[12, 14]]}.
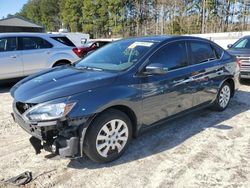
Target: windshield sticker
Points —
{"points": [[145, 44], [130, 51]]}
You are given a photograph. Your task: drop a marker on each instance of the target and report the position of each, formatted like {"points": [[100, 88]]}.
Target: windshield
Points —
{"points": [[242, 43], [117, 56]]}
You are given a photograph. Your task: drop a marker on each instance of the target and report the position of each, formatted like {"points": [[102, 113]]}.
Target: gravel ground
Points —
{"points": [[205, 149]]}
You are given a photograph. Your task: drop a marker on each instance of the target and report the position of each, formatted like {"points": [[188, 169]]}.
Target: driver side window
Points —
{"points": [[172, 56]]}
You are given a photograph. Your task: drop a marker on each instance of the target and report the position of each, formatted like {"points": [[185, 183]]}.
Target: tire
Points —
{"points": [[223, 97], [108, 136]]}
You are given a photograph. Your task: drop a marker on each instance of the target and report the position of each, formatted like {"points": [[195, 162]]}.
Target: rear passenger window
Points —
{"points": [[31, 43], [218, 51], [201, 52], [8, 44], [64, 40], [173, 55]]}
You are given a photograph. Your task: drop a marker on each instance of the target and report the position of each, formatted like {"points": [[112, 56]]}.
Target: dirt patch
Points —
{"points": [[204, 149]]}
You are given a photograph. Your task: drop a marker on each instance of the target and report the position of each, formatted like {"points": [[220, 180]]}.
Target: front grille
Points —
{"points": [[23, 107], [245, 63]]}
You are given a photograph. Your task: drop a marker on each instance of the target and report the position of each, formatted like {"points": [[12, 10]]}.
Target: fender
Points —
{"points": [[129, 97], [88, 106], [60, 56]]}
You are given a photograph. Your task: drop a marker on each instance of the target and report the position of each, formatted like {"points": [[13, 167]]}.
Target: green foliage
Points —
{"points": [[71, 14], [119, 18], [31, 10], [45, 12], [50, 14]]}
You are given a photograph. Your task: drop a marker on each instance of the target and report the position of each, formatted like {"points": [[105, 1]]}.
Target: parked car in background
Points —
{"points": [[91, 46], [22, 54], [96, 105], [241, 49]]}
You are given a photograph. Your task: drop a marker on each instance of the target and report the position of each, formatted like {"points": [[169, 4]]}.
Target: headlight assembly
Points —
{"points": [[43, 112]]}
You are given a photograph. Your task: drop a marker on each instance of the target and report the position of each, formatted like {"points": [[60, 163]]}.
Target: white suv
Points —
{"points": [[22, 54]]}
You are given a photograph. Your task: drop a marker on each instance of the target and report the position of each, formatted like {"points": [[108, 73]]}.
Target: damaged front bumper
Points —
{"points": [[62, 137]]}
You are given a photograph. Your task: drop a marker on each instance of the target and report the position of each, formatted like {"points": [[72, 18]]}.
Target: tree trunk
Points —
{"points": [[203, 16]]}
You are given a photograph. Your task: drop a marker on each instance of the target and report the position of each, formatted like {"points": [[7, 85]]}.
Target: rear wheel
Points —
{"points": [[108, 136], [223, 97]]}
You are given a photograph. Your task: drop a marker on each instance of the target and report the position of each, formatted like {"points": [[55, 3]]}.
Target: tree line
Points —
{"points": [[121, 18]]}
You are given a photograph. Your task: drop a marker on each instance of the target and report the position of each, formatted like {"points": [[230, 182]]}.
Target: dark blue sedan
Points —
{"points": [[97, 105]]}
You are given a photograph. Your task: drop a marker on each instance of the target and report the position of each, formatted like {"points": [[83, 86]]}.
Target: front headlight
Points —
{"points": [[48, 111]]}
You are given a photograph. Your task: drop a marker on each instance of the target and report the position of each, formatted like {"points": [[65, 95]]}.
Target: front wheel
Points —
{"points": [[108, 136], [223, 97]]}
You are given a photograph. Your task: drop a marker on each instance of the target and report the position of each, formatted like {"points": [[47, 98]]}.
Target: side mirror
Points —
{"points": [[229, 46], [155, 68]]}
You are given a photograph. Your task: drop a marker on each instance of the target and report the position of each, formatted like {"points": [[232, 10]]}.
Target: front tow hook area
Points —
{"points": [[65, 147], [37, 144]]}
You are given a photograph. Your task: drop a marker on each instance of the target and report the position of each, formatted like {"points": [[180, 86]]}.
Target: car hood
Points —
{"points": [[240, 52], [59, 82]]}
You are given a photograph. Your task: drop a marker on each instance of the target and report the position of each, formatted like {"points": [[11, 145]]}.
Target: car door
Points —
{"points": [[35, 53], [168, 94], [205, 62], [10, 59]]}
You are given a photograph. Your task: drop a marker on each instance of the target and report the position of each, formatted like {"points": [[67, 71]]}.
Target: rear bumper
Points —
{"points": [[58, 137], [245, 66], [236, 80]]}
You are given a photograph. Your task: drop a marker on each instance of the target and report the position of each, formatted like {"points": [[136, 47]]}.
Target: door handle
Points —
{"points": [[13, 56], [188, 80], [182, 81], [178, 81]]}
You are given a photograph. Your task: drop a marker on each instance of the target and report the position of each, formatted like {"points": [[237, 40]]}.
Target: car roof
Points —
{"points": [[246, 36], [163, 38], [30, 34]]}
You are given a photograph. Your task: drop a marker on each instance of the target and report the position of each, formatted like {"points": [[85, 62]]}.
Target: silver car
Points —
{"points": [[22, 54]]}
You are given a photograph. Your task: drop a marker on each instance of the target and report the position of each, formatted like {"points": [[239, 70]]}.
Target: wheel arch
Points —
{"points": [[123, 108], [130, 113], [232, 85], [61, 61], [60, 56]]}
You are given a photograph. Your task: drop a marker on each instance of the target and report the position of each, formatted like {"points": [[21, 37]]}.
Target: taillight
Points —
{"points": [[238, 62], [77, 51]]}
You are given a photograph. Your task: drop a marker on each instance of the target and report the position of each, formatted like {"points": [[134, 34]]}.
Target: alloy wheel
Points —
{"points": [[224, 96], [112, 137]]}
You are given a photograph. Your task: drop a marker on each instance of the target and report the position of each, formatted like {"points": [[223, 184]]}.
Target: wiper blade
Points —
{"points": [[90, 68], [95, 68]]}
